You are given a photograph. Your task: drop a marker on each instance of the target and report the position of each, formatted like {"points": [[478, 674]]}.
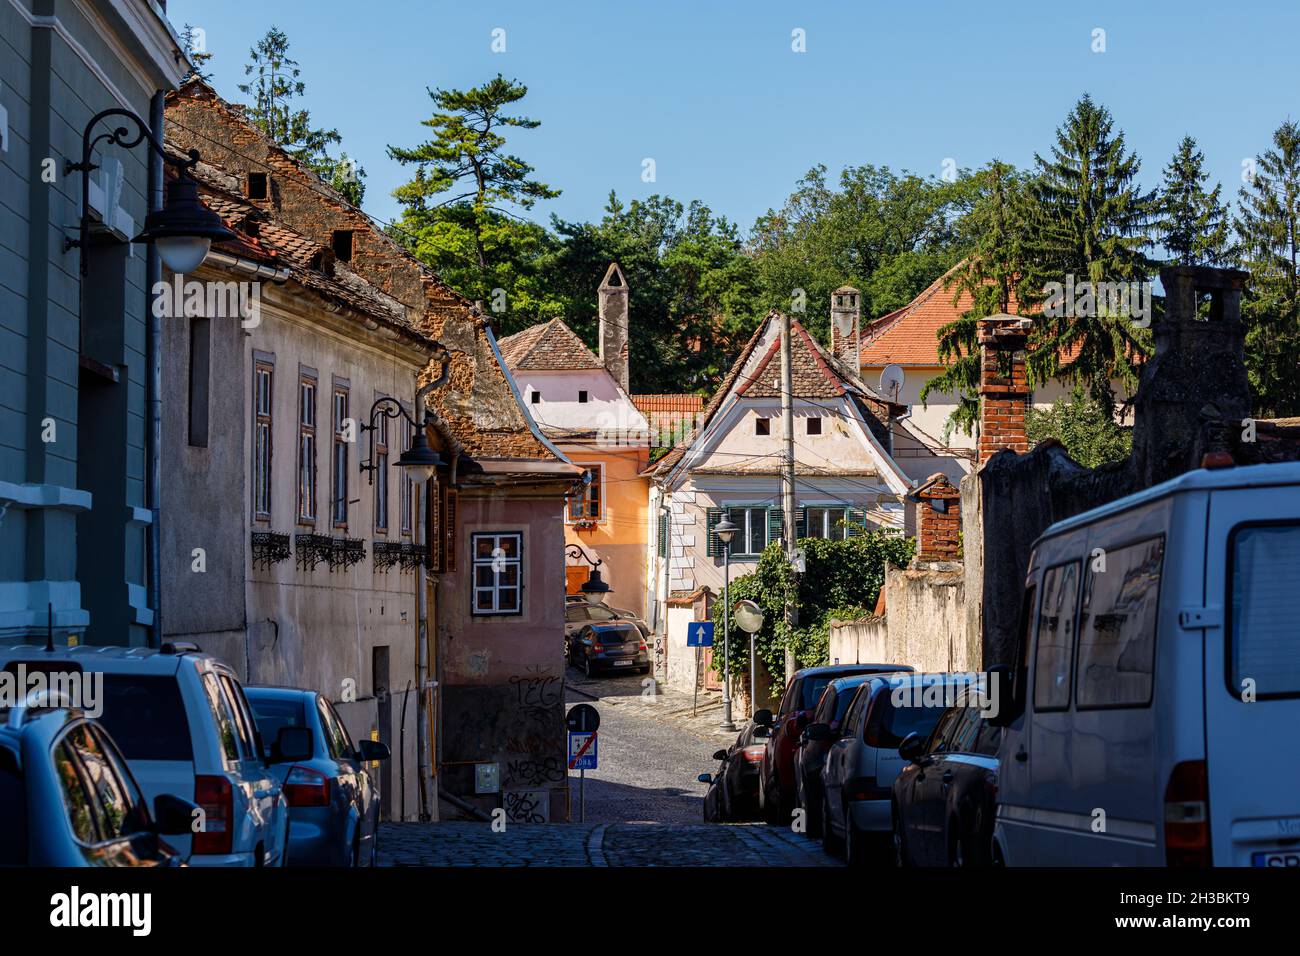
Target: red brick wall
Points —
{"points": [[1004, 387], [938, 531]]}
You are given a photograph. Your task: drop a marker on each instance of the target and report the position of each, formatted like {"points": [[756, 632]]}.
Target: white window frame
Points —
{"points": [[744, 531], [826, 507], [476, 563]]}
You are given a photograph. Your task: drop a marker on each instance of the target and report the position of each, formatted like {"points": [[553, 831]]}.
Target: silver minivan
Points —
{"points": [[181, 720], [1156, 695]]}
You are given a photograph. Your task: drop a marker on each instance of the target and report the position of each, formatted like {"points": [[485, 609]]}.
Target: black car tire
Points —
{"points": [[900, 843], [771, 804], [855, 842], [586, 665], [957, 855], [812, 806], [374, 847], [830, 843]]}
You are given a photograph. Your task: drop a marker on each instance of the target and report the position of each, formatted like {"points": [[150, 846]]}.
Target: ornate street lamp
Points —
{"points": [[183, 230], [419, 461], [594, 589], [725, 531]]}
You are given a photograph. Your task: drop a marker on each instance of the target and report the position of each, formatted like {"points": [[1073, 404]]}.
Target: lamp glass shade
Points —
{"points": [[183, 254], [419, 461], [725, 530], [594, 588], [419, 474]]}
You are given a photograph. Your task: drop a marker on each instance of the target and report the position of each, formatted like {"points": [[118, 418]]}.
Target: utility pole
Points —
{"points": [[787, 474]]}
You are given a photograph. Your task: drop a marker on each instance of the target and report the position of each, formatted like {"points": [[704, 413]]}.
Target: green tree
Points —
{"points": [[1088, 220], [1090, 435], [993, 233], [275, 86], [467, 158], [1194, 223], [194, 46], [841, 580], [1266, 225]]}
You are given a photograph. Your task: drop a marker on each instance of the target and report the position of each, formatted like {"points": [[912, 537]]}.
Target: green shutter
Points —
{"points": [[800, 523], [775, 524], [856, 523], [663, 536], [713, 547]]}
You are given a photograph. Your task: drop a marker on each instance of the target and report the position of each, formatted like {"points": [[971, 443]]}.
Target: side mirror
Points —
{"points": [[912, 747], [719, 755], [762, 733], [763, 717], [172, 815], [705, 778], [292, 743], [820, 733], [369, 750]]}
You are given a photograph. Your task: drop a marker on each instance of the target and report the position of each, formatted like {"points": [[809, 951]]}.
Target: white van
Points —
{"points": [[1156, 701]]}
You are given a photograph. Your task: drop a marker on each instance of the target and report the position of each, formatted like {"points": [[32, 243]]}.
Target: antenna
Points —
{"points": [[49, 627], [891, 381]]}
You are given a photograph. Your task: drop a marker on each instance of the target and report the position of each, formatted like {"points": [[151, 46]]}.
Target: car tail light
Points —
{"points": [[1187, 815], [597, 647], [754, 753], [306, 788], [644, 647], [217, 801], [864, 788]]}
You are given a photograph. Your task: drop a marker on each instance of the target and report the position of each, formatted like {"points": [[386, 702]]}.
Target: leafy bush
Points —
{"points": [[1090, 436], [841, 580]]}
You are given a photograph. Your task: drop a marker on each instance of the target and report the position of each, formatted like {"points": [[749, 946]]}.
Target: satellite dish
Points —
{"points": [[891, 381]]}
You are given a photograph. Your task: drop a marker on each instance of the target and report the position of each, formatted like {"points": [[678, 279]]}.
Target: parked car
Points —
{"points": [[945, 797], [1158, 678], [618, 645], [810, 753], [578, 614], [862, 763], [776, 778], [333, 802], [181, 719], [733, 791], [68, 798]]}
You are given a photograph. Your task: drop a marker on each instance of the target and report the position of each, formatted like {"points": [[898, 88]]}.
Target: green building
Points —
{"points": [[76, 354]]}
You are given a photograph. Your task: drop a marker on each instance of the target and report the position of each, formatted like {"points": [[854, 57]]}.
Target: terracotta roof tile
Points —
{"points": [[910, 335], [548, 346]]}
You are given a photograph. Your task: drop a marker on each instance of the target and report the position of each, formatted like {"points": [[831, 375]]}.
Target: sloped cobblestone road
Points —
{"points": [[644, 806]]}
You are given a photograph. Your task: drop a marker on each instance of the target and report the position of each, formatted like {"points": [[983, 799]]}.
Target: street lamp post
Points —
{"points": [[725, 531], [749, 618], [418, 463]]}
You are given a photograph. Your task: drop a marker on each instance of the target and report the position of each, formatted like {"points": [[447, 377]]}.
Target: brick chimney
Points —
{"points": [[938, 520], [1004, 388], [846, 323], [613, 311]]}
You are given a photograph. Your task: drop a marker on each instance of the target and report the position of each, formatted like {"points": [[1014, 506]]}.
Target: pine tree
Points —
{"points": [[468, 148], [194, 46], [1266, 225], [994, 233], [274, 87], [1088, 222], [1194, 223]]}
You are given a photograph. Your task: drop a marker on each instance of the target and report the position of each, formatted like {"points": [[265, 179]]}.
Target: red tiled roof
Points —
{"points": [[548, 346], [910, 335], [680, 403], [811, 377]]}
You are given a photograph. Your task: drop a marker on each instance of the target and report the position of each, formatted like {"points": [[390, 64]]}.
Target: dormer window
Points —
{"points": [[582, 396], [762, 426], [814, 425], [536, 398], [341, 240], [259, 186]]}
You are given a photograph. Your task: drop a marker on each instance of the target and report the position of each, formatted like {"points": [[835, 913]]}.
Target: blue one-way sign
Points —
{"points": [[699, 634]]}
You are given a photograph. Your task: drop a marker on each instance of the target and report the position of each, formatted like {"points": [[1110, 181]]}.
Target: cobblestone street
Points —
{"points": [[644, 806]]}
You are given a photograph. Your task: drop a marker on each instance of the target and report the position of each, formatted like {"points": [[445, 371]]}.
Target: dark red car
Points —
{"points": [[776, 783]]}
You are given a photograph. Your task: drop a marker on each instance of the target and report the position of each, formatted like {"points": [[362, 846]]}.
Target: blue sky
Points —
{"points": [[731, 115]]}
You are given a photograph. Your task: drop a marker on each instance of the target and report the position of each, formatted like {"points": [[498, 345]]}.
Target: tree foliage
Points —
{"points": [[1090, 435], [1194, 225], [841, 579]]}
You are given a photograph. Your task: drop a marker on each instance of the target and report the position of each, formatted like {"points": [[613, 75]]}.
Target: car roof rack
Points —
{"points": [[180, 647]]}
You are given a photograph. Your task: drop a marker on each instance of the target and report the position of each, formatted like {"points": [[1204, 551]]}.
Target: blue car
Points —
{"points": [[67, 798], [333, 802]]}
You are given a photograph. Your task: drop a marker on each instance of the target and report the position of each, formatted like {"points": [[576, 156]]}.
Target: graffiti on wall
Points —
{"points": [[527, 806]]}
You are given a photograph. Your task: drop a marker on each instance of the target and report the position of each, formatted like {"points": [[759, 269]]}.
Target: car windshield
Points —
{"points": [[13, 811], [145, 716], [811, 691], [842, 700], [275, 712], [617, 634]]}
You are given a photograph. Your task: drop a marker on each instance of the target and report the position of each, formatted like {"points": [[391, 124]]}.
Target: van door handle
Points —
{"points": [[1022, 755]]}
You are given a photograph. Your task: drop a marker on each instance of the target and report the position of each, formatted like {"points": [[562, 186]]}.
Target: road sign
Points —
{"points": [[582, 719], [582, 751], [699, 634]]}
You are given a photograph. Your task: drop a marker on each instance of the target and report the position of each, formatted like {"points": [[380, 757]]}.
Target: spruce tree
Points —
{"points": [[1194, 223], [1088, 221], [1266, 225]]}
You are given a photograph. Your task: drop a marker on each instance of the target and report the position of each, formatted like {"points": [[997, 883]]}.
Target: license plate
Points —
{"points": [[1283, 858], [622, 663]]}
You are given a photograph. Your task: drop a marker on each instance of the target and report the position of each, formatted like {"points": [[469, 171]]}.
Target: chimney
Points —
{"points": [[613, 311], [1004, 388], [938, 520], [846, 321]]}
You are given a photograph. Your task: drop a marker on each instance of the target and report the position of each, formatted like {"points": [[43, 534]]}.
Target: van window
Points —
{"points": [[1117, 627], [1262, 645], [1054, 650], [221, 714]]}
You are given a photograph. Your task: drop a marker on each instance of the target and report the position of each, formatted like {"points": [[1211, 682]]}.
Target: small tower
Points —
{"points": [[846, 321], [612, 308]]}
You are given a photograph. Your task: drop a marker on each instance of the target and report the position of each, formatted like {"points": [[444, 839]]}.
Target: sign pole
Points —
{"points": [[582, 795]]}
